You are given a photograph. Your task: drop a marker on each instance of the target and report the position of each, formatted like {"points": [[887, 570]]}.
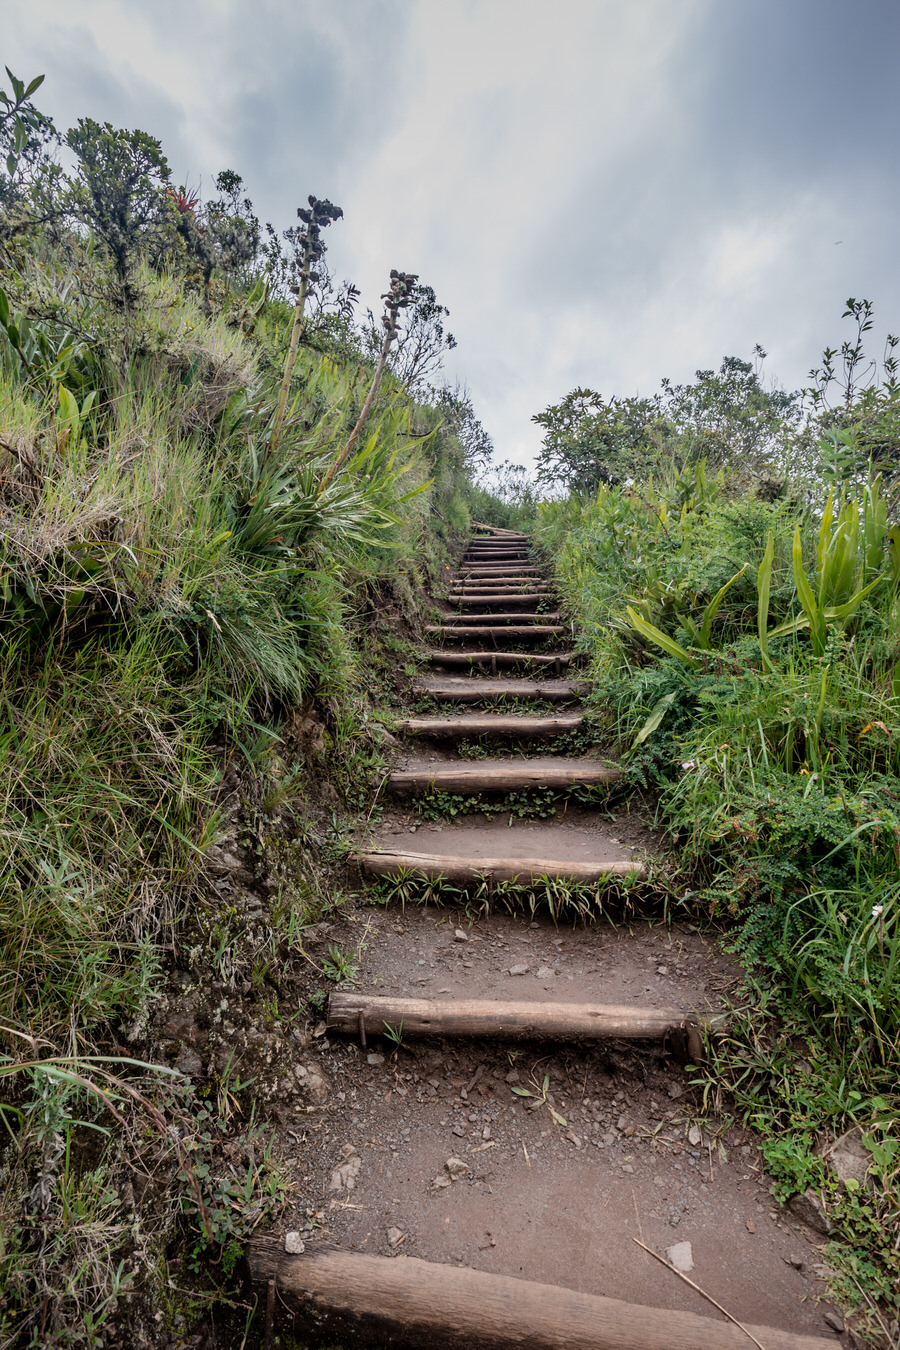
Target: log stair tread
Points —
{"points": [[458, 687], [501, 775], [502, 1018], [492, 724], [460, 867], [496, 630], [410, 1301], [457, 620], [448, 658]]}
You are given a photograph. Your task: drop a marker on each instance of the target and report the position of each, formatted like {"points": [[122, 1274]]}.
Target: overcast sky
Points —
{"points": [[603, 192]]}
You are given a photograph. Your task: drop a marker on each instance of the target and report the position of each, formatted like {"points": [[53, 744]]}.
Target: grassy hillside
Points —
{"points": [[193, 582], [740, 614]]}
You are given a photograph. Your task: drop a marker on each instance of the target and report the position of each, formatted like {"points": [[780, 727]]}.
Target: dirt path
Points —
{"points": [[433, 1149]]}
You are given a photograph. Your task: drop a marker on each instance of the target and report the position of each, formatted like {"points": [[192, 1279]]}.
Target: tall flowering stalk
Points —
{"points": [[397, 297], [315, 217]]}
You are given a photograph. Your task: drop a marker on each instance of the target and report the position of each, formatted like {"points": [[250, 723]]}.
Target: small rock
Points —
{"points": [[797, 1262], [459, 1131], [343, 1177], [621, 1122], [573, 1138], [456, 1168], [315, 1084], [374, 1058], [609, 1138], [460, 936], [512, 1076], [520, 969], [681, 1257], [412, 829], [808, 1209], [294, 1244], [627, 1167], [440, 1182], [674, 1091], [750, 1225], [834, 1320], [189, 1063], [850, 1158], [628, 1131], [695, 1136], [545, 973], [662, 970], [395, 1236]]}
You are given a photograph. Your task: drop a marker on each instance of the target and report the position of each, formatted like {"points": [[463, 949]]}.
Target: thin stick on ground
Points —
{"points": [[702, 1292]]}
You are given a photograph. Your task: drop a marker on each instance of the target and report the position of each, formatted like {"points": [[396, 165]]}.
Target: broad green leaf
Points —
{"points": [[658, 637], [68, 406], [660, 708], [712, 608], [4, 308], [806, 597], [763, 586]]}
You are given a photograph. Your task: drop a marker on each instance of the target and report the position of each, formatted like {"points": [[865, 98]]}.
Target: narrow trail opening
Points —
{"points": [[509, 1091]]}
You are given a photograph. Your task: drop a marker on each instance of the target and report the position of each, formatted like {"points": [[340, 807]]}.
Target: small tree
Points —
{"points": [[459, 414], [222, 234], [119, 192], [588, 441]]}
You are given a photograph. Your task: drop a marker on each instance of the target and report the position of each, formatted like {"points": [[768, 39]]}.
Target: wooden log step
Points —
{"points": [[513, 556], [479, 601], [457, 689], [499, 658], [482, 576], [499, 530], [383, 863], [504, 1020], [499, 630], [501, 775], [501, 617], [499, 587], [402, 1300], [510, 570], [491, 724]]}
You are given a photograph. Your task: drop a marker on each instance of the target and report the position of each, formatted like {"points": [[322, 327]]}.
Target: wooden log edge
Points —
{"points": [[506, 1019], [423, 1303], [455, 868]]}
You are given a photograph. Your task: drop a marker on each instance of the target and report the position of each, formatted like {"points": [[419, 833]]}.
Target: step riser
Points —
{"points": [[536, 633], [523, 870], [507, 1020], [500, 696], [531, 728], [495, 659], [480, 601], [527, 616], [479, 779]]}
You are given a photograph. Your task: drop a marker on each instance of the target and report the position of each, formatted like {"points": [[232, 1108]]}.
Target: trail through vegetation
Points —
{"points": [[227, 499]]}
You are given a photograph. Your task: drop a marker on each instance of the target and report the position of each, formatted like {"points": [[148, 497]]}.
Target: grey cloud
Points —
{"points": [[621, 193]]}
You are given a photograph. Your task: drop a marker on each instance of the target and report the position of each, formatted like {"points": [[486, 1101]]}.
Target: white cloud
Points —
{"points": [[603, 193]]}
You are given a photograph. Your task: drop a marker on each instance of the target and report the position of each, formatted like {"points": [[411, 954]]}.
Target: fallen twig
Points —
{"points": [[709, 1298]]}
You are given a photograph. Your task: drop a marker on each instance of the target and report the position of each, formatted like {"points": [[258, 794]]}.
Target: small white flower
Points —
{"points": [[877, 910], [689, 764]]}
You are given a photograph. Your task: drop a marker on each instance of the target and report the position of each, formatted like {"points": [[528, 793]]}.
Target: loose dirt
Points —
{"points": [[540, 1161]]}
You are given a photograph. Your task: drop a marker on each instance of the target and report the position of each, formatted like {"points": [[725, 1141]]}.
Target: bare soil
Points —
{"points": [[535, 1197], [541, 1161]]}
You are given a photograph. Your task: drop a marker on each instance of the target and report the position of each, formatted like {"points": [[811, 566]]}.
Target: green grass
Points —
{"points": [[170, 593], [768, 728]]}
